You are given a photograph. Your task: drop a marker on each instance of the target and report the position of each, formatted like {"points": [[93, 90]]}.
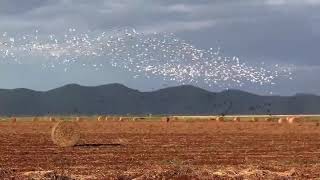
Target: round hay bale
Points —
{"points": [[212, 119], [166, 119], [220, 119], [100, 118], [35, 119], [121, 119], [254, 119], [268, 119], [282, 120], [52, 119], [292, 120], [79, 119], [65, 134], [14, 120], [236, 119]]}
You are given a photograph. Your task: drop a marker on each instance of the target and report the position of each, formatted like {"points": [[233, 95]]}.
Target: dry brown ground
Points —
{"points": [[156, 150]]}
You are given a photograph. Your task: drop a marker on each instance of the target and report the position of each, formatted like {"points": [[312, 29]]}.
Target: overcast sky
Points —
{"points": [[275, 31]]}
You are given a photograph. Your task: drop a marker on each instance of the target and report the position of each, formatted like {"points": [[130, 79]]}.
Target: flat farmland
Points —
{"points": [[145, 149]]}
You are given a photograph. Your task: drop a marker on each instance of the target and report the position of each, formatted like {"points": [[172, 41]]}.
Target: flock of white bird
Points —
{"points": [[152, 54]]}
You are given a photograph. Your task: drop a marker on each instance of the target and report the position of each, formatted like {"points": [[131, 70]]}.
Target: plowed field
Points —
{"points": [[156, 150]]}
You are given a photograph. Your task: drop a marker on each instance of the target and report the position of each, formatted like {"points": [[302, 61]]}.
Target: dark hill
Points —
{"points": [[119, 99]]}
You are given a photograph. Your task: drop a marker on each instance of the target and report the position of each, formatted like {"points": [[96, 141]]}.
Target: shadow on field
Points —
{"points": [[99, 145]]}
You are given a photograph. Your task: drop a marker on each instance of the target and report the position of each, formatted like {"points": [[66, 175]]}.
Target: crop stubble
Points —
{"points": [[26, 146]]}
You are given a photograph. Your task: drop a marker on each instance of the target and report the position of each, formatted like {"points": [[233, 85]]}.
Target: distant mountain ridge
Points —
{"points": [[119, 99]]}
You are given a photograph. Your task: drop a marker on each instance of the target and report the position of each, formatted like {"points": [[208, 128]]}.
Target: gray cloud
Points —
{"points": [[278, 31]]}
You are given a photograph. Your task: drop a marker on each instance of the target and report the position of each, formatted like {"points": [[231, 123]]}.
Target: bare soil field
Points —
{"points": [[161, 150]]}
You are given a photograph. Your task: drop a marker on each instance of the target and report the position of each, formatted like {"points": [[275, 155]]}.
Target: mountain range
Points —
{"points": [[117, 99]]}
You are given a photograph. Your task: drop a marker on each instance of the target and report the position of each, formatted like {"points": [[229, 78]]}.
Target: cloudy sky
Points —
{"points": [[285, 32]]}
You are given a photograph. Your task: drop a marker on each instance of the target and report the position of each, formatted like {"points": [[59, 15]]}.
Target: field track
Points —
{"points": [[148, 150]]}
